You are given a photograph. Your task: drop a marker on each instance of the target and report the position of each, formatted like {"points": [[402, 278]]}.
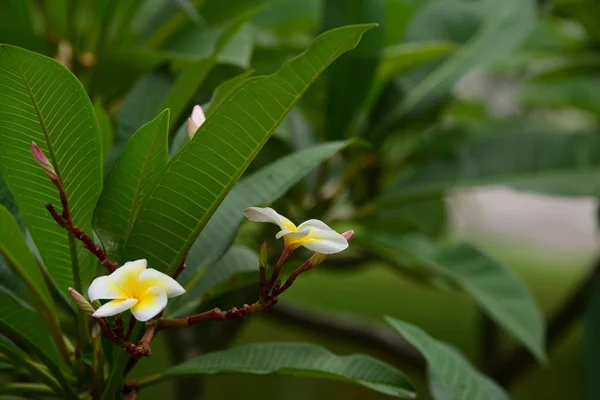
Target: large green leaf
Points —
{"points": [[297, 359], [237, 261], [199, 176], [264, 186], [551, 163], [9, 281], [43, 102], [24, 326], [496, 288], [350, 77], [18, 256], [500, 27], [451, 376], [132, 177], [399, 59]]}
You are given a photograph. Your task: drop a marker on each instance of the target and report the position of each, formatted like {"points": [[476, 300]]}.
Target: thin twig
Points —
{"points": [[180, 269]]}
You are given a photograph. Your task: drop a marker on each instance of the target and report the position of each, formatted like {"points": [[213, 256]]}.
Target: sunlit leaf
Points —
{"points": [[451, 376], [131, 178], [297, 359], [43, 102], [495, 288], [199, 176]]}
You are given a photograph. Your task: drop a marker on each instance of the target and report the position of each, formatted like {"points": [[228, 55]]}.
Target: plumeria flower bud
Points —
{"points": [[313, 234], [195, 121], [319, 258], [81, 302], [132, 286], [42, 160], [262, 258]]}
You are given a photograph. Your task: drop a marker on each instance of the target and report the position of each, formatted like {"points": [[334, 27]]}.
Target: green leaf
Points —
{"points": [[399, 59], [189, 81], [197, 179], [495, 287], [296, 359], [45, 103], [23, 325], [504, 26], [350, 77], [16, 26], [107, 135], [541, 162], [132, 177], [237, 260], [451, 376], [18, 256]]}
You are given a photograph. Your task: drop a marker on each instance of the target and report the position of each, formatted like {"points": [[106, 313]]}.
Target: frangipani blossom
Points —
{"points": [[195, 121], [313, 234], [133, 287]]}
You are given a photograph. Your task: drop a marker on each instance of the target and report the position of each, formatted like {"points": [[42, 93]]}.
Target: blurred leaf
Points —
{"points": [[16, 26], [297, 359], [131, 179], [189, 81], [591, 344], [238, 51], [199, 176], [45, 103], [105, 128], [264, 186], [565, 164], [350, 78], [19, 258], [237, 260], [494, 286], [565, 92], [503, 27], [398, 59], [24, 326], [451, 376]]}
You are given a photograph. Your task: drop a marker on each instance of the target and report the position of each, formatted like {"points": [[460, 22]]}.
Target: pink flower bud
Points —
{"points": [[195, 121], [348, 235], [42, 160]]}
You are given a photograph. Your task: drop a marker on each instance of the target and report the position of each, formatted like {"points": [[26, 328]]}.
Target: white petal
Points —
{"points": [[152, 277], [325, 241], [114, 307], [127, 275], [315, 223], [292, 235], [267, 214], [150, 304], [198, 116], [105, 288]]}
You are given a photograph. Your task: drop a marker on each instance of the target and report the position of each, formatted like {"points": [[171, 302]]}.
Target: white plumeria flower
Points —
{"points": [[313, 234], [195, 121], [133, 287]]}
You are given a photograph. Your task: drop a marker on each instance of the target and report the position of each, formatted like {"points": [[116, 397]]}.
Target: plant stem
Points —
{"points": [[28, 389]]}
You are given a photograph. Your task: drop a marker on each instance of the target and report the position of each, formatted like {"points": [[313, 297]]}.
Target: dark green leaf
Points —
{"points": [[399, 59], [297, 359], [591, 344], [132, 177], [200, 175], [45, 103], [451, 377], [106, 131], [496, 288], [351, 76]]}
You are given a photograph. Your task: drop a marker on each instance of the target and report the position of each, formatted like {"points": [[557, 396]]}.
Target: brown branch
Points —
{"points": [[106, 331], [350, 328], [287, 250], [180, 269], [517, 363]]}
